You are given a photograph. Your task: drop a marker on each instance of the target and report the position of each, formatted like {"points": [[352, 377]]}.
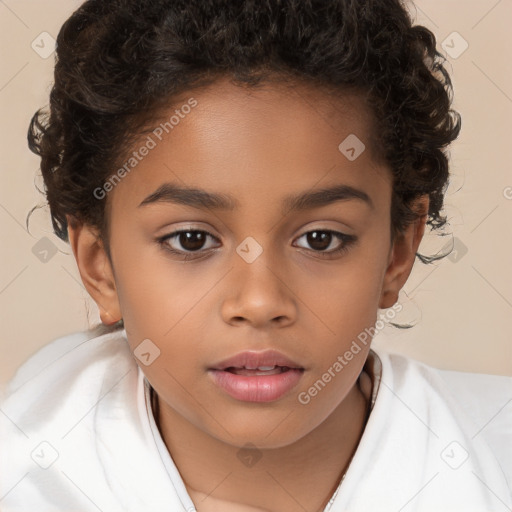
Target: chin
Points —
{"points": [[265, 433]]}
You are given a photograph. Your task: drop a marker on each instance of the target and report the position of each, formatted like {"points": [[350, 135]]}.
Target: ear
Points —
{"points": [[403, 254], [95, 270]]}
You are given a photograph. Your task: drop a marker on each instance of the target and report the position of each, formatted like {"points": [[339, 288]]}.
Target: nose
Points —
{"points": [[260, 294]]}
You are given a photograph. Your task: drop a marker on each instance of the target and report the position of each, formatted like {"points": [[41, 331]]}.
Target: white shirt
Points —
{"points": [[77, 433]]}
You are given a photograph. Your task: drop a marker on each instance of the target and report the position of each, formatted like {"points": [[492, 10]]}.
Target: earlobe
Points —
{"points": [[95, 270], [403, 254]]}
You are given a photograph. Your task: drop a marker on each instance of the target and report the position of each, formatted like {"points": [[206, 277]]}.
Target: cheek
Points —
{"points": [[161, 303], [158, 294], [349, 296], [153, 291]]}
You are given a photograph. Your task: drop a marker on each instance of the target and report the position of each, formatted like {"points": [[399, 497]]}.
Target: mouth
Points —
{"points": [[263, 361], [261, 370], [257, 376]]}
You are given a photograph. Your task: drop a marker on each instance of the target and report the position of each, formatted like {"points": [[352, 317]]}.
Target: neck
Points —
{"points": [[278, 482]]}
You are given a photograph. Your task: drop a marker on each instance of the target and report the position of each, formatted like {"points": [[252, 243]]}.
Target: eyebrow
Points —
{"points": [[201, 199]]}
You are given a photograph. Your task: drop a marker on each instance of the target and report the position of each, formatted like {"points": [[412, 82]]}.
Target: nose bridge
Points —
{"points": [[258, 290], [257, 268]]}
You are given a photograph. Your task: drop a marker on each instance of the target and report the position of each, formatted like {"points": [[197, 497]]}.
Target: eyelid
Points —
{"points": [[347, 240], [178, 231]]}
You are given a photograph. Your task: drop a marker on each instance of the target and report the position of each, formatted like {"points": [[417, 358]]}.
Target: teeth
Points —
{"points": [[261, 368], [266, 371]]}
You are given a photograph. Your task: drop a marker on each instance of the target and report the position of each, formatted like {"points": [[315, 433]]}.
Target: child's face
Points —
{"points": [[258, 148]]}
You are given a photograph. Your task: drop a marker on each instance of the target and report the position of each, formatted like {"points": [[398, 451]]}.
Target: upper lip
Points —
{"points": [[255, 359]]}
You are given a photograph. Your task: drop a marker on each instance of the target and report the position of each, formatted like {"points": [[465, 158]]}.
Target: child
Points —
{"points": [[244, 185]]}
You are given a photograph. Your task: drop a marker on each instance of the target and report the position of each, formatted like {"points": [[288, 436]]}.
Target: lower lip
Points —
{"points": [[256, 388]]}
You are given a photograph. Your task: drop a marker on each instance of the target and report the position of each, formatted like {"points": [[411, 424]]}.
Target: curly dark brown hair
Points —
{"points": [[119, 62]]}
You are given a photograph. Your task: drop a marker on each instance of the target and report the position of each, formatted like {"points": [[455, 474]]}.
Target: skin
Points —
{"points": [[258, 146]]}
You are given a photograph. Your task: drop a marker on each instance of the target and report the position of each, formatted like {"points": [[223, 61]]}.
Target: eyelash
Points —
{"points": [[348, 240]]}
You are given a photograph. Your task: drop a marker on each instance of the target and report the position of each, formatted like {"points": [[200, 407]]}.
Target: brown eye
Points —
{"points": [[319, 240], [186, 241], [192, 243], [191, 240]]}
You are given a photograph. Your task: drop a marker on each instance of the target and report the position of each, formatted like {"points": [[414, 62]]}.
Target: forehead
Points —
{"points": [[296, 111], [248, 141]]}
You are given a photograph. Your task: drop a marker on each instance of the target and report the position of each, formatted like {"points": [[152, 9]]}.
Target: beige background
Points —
{"points": [[463, 305]]}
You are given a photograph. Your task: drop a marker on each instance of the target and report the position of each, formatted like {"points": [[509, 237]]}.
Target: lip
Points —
{"points": [[256, 388], [255, 359]]}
